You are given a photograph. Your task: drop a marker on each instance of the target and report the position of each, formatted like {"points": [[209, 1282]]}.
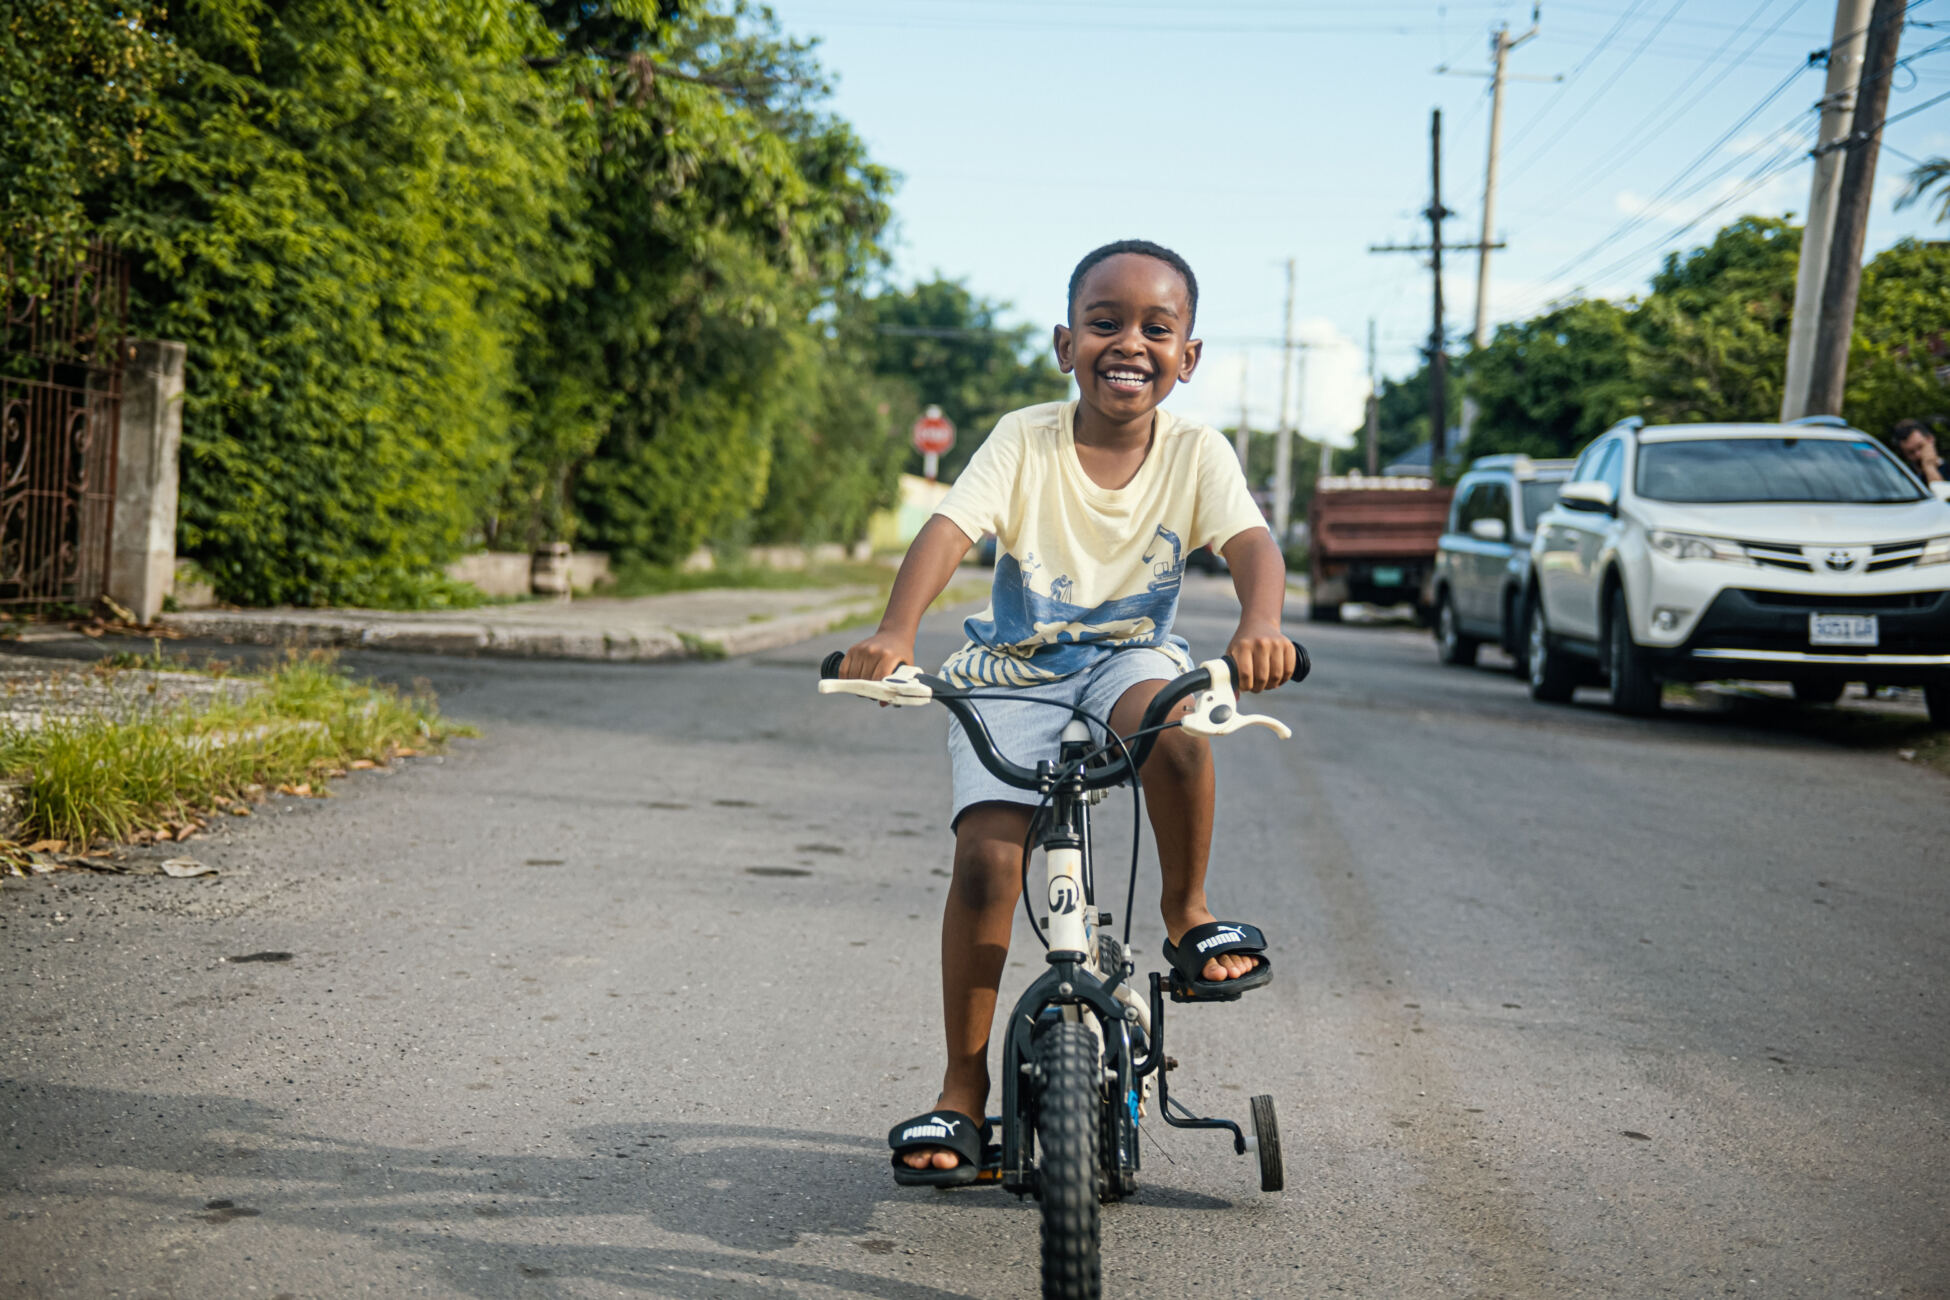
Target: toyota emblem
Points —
{"points": [[1841, 561]]}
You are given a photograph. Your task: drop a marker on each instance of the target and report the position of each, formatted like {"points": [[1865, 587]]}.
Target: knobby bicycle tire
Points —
{"points": [[1070, 1170]]}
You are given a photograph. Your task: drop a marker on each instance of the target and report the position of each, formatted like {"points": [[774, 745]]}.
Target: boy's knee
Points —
{"points": [[987, 876], [1178, 757]]}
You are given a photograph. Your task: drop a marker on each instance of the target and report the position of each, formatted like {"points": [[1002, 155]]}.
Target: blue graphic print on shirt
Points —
{"points": [[1031, 636]]}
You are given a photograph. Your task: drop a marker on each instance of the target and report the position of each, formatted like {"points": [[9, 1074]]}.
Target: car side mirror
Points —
{"points": [[1589, 495], [1942, 490], [1491, 530]]}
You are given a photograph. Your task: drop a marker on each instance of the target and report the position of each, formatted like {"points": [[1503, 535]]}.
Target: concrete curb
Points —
{"points": [[471, 636]]}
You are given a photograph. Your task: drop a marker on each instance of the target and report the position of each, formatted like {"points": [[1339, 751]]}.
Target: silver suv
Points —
{"points": [[1804, 553], [1482, 563]]}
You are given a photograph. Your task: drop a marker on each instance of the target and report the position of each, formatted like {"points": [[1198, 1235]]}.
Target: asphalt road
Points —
{"points": [[621, 998]]}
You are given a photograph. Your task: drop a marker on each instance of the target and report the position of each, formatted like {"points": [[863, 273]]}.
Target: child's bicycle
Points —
{"points": [[1082, 1050]]}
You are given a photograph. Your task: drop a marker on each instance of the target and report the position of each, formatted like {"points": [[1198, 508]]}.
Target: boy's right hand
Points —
{"points": [[878, 655]]}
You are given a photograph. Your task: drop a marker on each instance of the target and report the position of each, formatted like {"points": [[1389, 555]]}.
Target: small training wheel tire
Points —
{"points": [[1266, 1128]]}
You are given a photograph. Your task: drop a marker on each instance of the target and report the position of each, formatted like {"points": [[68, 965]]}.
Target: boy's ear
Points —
{"points": [[1064, 361], [1193, 351]]}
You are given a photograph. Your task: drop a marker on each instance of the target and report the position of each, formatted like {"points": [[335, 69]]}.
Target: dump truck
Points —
{"points": [[1372, 540]]}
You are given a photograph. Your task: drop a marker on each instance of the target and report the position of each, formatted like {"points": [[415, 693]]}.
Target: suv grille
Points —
{"points": [[1828, 604], [1895, 555], [1777, 556]]}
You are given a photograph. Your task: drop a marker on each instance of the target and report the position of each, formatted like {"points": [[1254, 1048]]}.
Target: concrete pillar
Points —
{"points": [[142, 552]]}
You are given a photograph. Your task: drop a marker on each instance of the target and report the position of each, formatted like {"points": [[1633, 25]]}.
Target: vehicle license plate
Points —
{"points": [[1388, 577], [1843, 629]]}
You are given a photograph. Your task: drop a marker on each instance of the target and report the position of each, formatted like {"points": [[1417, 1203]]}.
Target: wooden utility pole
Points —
{"points": [[1438, 352], [1842, 280], [1845, 50], [1504, 44], [1373, 438], [1283, 448]]}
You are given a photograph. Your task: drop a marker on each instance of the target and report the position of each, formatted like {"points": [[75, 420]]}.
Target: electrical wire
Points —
{"points": [[1639, 132], [1543, 115], [1589, 104]]}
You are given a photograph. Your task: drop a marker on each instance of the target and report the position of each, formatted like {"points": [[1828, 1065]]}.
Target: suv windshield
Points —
{"points": [[1537, 498], [1853, 471]]}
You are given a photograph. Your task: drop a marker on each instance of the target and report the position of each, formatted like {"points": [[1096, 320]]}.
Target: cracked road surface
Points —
{"points": [[621, 998]]}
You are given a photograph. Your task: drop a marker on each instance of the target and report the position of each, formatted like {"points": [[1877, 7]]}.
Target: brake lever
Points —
{"points": [[901, 687], [1215, 711]]}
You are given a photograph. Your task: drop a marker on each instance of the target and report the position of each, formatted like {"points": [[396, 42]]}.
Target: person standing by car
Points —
{"points": [[1918, 449]]}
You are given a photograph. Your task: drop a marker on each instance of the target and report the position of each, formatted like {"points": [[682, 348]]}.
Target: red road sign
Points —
{"points": [[934, 433]]}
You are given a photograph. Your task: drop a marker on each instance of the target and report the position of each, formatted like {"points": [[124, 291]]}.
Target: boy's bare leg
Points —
{"points": [[975, 925], [1178, 790]]}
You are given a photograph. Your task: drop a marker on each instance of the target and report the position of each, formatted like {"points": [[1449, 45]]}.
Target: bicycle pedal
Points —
{"points": [[1180, 991]]}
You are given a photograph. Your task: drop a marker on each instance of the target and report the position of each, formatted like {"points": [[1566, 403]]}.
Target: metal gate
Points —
{"points": [[61, 360]]}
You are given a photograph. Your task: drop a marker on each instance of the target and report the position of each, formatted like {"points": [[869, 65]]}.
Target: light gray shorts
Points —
{"points": [[1026, 733]]}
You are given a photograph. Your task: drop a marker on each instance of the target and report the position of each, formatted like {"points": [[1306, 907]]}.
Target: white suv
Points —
{"points": [[1803, 552]]}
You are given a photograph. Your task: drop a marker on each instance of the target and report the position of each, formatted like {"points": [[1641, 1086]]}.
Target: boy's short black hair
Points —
{"points": [[1144, 248], [1906, 427]]}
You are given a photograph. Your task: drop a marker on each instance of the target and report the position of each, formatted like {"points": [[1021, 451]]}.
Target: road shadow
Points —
{"points": [[481, 1220]]}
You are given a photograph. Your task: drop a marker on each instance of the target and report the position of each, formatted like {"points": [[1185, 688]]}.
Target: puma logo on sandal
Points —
{"points": [[1226, 935]]}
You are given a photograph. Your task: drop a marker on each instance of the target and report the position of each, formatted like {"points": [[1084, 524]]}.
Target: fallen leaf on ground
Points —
{"points": [[240, 810], [183, 868], [407, 753], [302, 791], [361, 764], [47, 846]]}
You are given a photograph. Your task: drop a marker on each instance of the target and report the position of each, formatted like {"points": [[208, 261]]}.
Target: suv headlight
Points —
{"points": [[1935, 551], [1692, 546]]}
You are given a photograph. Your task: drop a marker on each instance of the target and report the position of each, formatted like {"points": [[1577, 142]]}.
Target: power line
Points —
{"points": [[1592, 103], [1643, 136], [1571, 76]]}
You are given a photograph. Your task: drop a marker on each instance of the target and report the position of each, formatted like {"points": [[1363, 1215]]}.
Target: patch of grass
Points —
{"points": [[109, 778], [701, 647]]}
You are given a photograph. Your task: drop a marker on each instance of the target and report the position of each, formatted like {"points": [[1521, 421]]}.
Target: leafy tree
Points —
{"points": [[78, 79], [949, 348], [1548, 385], [1402, 410], [723, 213], [1899, 364], [1710, 342], [1931, 173], [344, 210]]}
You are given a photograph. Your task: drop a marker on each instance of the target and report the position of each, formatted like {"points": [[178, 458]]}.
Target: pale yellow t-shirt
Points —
{"points": [[1083, 570]]}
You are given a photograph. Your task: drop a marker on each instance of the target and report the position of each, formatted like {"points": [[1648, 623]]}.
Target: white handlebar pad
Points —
{"points": [[899, 687], [1215, 712]]}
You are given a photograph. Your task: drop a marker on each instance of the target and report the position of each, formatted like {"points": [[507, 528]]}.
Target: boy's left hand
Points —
{"points": [[1264, 655]]}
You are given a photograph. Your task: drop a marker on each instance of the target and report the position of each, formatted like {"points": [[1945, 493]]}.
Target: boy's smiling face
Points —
{"points": [[1129, 339]]}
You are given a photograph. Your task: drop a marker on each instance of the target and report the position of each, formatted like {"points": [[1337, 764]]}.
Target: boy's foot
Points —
{"points": [[968, 1102], [1227, 966]]}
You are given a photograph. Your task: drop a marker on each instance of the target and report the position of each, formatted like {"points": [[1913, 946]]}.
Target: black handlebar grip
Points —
{"points": [[1302, 665], [829, 667]]}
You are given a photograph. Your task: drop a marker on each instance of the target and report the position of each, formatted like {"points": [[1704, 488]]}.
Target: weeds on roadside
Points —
{"points": [[108, 778]]}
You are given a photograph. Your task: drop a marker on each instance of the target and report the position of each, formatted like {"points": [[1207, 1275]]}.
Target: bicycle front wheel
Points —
{"points": [[1070, 1168]]}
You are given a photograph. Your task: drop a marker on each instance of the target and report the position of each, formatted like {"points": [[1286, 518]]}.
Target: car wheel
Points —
{"points": [[1819, 692], [1451, 645], [1550, 672], [1635, 692], [1938, 699]]}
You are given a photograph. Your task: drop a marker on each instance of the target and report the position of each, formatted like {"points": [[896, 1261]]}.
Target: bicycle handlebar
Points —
{"points": [[960, 703]]}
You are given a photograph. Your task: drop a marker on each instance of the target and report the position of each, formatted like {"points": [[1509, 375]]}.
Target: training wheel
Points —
{"points": [[1266, 1132]]}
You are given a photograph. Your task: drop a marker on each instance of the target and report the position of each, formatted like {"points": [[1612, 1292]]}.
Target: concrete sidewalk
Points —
{"points": [[707, 624]]}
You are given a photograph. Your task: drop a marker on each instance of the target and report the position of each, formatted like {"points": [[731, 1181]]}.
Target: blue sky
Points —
{"points": [[1244, 132]]}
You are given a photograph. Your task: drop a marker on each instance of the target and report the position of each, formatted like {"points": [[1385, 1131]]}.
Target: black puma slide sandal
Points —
{"points": [[949, 1130], [1215, 939]]}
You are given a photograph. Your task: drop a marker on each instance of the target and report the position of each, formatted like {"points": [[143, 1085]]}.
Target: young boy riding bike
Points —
{"points": [[1095, 505]]}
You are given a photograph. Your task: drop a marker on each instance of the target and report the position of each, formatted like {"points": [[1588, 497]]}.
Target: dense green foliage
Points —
{"points": [[344, 214], [1707, 343], [452, 274], [77, 81], [950, 350]]}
